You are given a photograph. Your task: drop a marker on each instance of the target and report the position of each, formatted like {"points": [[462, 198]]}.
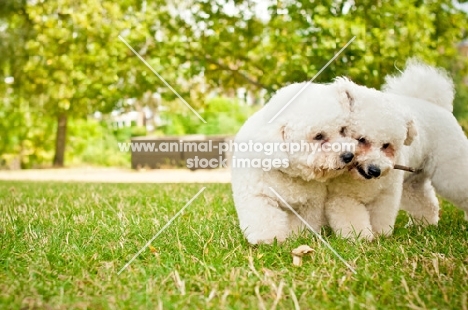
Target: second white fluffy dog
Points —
{"points": [[365, 202], [438, 153]]}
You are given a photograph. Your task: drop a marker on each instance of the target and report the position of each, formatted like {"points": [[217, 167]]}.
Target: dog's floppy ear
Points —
{"points": [[345, 93], [411, 132], [284, 133], [349, 102], [282, 130]]}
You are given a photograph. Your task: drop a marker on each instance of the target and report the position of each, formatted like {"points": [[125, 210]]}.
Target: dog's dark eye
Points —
{"points": [[343, 131], [385, 145], [362, 140], [318, 136]]}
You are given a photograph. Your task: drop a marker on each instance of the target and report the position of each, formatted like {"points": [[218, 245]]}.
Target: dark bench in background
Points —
{"points": [[176, 158]]}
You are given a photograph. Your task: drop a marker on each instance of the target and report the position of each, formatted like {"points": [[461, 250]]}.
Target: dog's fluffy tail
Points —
{"points": [[424, 82]]}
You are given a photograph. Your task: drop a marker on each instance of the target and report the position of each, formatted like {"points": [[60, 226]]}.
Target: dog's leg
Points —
{"points": [[384, 209], [262, 220], [348, 218], [313, 213], [420, 201]]}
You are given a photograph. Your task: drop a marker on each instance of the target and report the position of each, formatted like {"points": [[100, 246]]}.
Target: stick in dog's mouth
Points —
{"points": [[404, 168]]}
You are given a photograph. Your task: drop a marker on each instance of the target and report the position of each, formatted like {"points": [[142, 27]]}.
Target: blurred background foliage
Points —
{"points": [[67, 80]]}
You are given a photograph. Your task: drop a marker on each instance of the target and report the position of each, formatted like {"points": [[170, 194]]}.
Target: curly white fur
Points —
{"points": [[320, 111], [435, 146], [422, 81], [441, 150], [410, 124], [365, 201]]}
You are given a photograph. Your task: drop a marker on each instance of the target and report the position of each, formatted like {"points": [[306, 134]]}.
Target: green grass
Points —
{"points": [[63, 244]]}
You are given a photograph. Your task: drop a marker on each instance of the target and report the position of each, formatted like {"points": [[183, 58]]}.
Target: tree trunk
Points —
{"points": [[60, 140]]}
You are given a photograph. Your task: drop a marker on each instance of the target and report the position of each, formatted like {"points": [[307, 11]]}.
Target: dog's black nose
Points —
{"points": [[347, 157], [373, 171]]}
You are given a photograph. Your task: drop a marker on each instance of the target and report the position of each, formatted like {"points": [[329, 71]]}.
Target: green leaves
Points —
{"points": [[65, 56]]}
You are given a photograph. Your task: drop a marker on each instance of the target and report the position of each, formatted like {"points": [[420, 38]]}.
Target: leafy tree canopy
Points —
{"points": [[63, 58]]}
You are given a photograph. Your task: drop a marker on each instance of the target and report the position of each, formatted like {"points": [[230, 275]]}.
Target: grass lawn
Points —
{"points": [[62, 246]]}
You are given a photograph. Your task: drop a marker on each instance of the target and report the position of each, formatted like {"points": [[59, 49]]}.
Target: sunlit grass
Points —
{"points": [[63, 244]]}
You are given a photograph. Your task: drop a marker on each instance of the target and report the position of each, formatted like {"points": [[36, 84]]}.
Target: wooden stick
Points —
{"points": [[404, 168]]}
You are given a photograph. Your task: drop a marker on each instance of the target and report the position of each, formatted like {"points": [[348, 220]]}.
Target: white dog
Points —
{"points": [[365, 201], [318, 116], [440, 153]]}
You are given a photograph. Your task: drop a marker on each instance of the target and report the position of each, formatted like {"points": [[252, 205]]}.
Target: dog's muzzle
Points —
{"points": [[372, 172], [347, 157]]}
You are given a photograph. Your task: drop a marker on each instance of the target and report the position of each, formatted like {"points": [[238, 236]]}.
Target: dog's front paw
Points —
{"points": [[413, 221], [352, 234], [366, 235], [383, 231], [265, 237]]}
